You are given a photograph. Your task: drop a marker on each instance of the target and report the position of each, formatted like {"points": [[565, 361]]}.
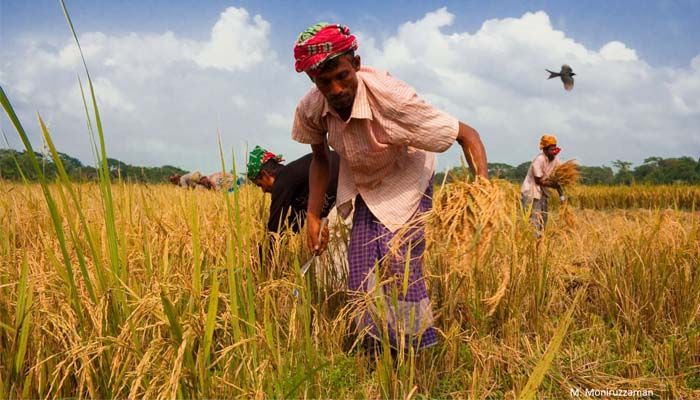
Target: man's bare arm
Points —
{"points": [[546, 183], [319, 174], [473, 150]]}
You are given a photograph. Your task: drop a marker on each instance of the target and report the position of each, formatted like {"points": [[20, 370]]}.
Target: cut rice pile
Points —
{"points": [[566, 174], [463, 223]]}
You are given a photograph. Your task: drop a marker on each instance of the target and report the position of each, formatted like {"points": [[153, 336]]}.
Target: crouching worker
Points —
{"points": [[534, 191], [288, 186], [219, 181], [191, 180]]}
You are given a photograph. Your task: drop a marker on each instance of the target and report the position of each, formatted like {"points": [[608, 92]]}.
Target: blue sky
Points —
{"points": [[663, 32], [652, 41]]}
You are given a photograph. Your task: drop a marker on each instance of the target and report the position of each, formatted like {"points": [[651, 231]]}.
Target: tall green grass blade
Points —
{"points": [[209, 326], [310, 374], [196, 250], [63, 176], [105, 183], [88, 120], [231, 261], [3, 389], [171, 314], [23, 315], [27, 385], [53, 209], [242, 233], [540, 370], [211, 313]]}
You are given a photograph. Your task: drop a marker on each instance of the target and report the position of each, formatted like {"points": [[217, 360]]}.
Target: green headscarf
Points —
{"points": [[257, 158]]}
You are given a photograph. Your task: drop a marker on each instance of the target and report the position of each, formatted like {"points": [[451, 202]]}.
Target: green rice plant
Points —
{"points": [[53, 209], [162, 308], [73, 231], [684, 197], [212, 309], [23, 321], [105, 181], [540, 370], [196, 249]]}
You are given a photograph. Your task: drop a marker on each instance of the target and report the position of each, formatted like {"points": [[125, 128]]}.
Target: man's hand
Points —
{"points": [[319, 174], [547, 183], [317, 234]]}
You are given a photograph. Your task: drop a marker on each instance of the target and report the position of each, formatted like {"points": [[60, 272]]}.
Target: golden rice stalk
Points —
{"points": [[493, 301], [463, 224], [566, 174], [567, 216], [464, 217]]}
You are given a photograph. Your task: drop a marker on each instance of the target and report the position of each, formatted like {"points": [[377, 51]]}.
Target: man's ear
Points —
{"points": [[356, 62]]}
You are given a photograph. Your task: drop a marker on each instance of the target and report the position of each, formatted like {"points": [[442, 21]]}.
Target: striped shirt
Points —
{"points": [[386, 146]]}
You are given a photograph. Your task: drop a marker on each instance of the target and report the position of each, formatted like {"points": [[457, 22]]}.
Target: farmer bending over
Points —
{"points": [[289, 187], [386, 137], [191, 180]]}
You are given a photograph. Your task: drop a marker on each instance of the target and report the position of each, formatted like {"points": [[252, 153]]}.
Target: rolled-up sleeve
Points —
{"points": [[305, 129], [423, 126]]}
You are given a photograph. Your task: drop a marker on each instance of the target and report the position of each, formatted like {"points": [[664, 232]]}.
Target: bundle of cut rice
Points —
{"points": [[463, 223], [565, 174]]}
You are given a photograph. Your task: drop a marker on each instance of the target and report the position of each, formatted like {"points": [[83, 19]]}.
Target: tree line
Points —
{"points": [[654, 170], [13, 161]]}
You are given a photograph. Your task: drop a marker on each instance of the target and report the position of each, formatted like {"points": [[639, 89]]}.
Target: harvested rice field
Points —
{"points": [[168, 297]]}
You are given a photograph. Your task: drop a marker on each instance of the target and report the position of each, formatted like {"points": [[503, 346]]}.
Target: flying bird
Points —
{"points": [[566, 74]]}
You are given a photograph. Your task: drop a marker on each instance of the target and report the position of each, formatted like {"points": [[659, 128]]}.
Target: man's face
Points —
{"points": [[265, 181], [339, 84], [550, 151]]}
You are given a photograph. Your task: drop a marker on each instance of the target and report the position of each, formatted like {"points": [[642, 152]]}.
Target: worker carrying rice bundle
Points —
{"points": [[546, 171]]}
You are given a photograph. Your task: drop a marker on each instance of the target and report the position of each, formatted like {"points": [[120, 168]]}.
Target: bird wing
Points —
{"points": [[566, 70], [568, 82]]}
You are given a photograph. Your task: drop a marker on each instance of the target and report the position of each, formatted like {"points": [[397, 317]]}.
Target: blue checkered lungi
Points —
{"points": [[403, 314]]}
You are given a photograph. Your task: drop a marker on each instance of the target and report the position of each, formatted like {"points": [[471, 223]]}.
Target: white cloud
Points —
{"points": [[494, 79], [236, 41], [164, 97], [111, 97], [685, 89], [617, 51], [279, 121]]}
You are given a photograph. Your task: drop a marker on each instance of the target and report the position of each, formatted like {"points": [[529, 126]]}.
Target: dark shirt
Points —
{"points": [[290, 193]]}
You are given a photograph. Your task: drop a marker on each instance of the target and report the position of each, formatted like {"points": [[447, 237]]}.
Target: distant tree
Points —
{"points": [[500, 170], [596, 175], [657, 170], [679, 170], [624, 175], [76, 170], [520, 172], [439, 177], [458, 174]]}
